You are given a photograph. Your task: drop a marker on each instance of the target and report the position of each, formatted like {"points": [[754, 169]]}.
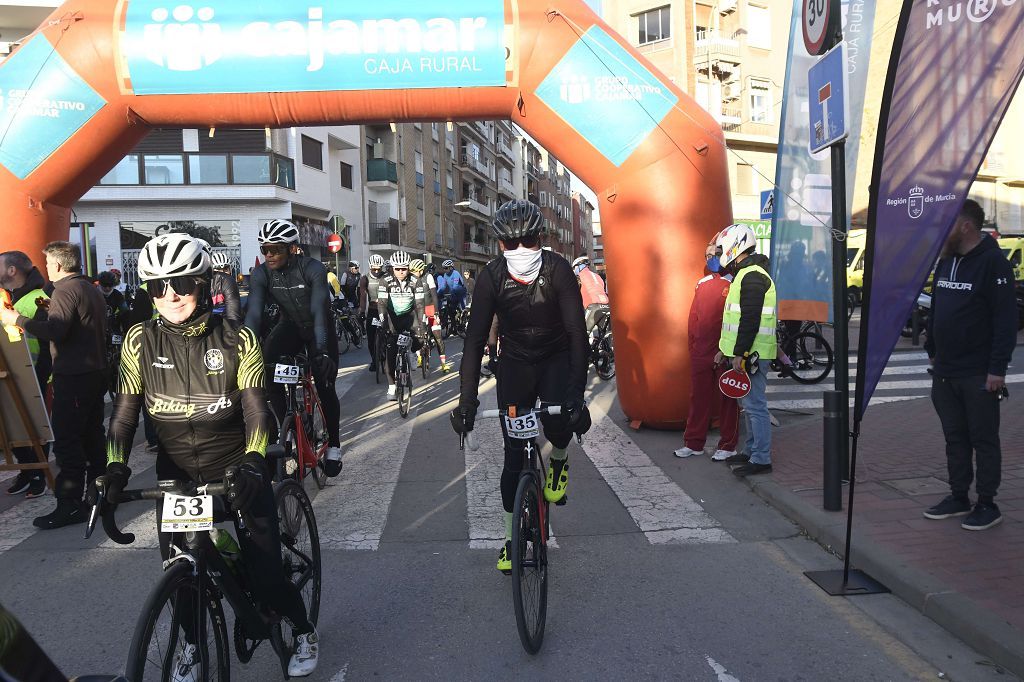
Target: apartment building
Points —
{"points": [[730, 56], [582, 226], [548, 186], [222, 185]]}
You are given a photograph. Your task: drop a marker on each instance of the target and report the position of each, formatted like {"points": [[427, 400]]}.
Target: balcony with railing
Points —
{"points": [[474, 164], [385, 232], [506, 187], [381, 174], [716, 54], [483, 129], [474, 205], [505, 147], [473, 247]]}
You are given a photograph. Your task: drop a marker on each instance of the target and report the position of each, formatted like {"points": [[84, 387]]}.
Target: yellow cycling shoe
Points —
{"points": [[445, 368], [505, 558], [553, 492], [419, 360]]}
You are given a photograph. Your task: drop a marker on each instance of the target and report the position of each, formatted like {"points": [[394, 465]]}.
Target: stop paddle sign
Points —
{"points": [[334, 243], [734, 384]]}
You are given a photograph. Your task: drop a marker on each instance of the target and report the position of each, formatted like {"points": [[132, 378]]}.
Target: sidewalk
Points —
{"points": [[971, 583]]}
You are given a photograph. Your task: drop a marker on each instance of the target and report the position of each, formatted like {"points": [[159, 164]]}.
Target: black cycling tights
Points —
{"points": [[286, 339], [371, 333], [520, 384], [260, 542]]}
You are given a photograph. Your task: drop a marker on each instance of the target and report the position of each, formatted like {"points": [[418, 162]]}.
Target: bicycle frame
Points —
{"points": [[307, 458]]}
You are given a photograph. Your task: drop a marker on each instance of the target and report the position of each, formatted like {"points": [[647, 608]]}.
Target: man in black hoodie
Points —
{"points": [[972, 330], [75, 328]]}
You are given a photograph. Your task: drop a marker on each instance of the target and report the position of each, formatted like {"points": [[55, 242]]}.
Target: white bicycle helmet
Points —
{"points": [[400, 259], [172, 255], [734, 240], [582, 260], [376, 261], [220, 260], [417, 266], [206, 246], [278, 232], [448, 264]]}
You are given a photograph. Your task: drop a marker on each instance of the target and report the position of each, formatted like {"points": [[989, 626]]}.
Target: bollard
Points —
{"points": [[915, 327], [832, 472]]}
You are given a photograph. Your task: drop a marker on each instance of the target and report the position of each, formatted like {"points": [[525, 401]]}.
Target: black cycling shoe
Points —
{"points": [[68, 512]]}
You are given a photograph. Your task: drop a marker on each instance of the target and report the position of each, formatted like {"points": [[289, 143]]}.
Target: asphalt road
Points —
{"points": [[663, 569]]}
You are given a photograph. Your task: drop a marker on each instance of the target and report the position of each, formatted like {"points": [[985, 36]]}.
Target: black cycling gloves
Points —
{"points": [[463, 419], [245, 481], [577, 415], [112, 482], [325, 370]]}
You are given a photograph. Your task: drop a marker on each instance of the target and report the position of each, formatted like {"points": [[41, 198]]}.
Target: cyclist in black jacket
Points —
{"points": [[298, 285], [224, 289], [543, 348], [201, 378]]}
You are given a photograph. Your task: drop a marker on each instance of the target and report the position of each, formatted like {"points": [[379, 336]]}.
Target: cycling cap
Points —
{"points": [[734, 240], [220, 260], [448, 264], [278, 232], [171, 255], [518, 218], [417, 266], [400, 259], [376, 261], [106, 279]]}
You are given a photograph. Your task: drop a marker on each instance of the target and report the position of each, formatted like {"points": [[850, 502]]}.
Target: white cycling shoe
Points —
{"points": [[687, 452], [304, 660], [722, 455], [392, 392], [185, 669]]}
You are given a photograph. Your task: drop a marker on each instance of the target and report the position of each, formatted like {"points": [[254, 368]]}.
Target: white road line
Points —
{"points": [[817, 403], [720, 671], [660, 508], [882, 386]]}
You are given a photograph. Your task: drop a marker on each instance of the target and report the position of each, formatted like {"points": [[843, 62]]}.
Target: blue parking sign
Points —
{"points": [[829, 109]]}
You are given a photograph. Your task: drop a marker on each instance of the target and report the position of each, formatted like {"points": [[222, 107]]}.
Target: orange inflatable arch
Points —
{"points": [[99, 74]]}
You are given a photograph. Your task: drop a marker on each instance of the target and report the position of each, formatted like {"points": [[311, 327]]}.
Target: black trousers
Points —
{"points": [[521, 384], [286, 339], [398, 324], [260, 542], [970, 424], [371, 333], [79, 443]]}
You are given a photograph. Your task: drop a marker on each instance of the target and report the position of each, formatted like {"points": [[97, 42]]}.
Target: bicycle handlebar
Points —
{"points": [[469, 440], [110, 523]]}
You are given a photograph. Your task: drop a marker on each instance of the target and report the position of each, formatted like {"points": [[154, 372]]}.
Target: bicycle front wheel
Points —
{"points": [[404, 383], [379, 354], [529, 564], [300, 546], [605, 363], [180, 634], [343, 340], [812, 358]]}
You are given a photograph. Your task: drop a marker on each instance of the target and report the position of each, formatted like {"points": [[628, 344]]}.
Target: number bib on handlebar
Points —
{"points": [[286, 374], [404, 340], [377, 322], [116, 339], [522, 428], [181, 513]]}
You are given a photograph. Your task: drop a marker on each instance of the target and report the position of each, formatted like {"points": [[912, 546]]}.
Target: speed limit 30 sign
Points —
{"points": [[821, 22]]}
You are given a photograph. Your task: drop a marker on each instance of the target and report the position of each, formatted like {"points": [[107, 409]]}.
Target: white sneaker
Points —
{"points": [[185, 665], [303, 661], [722, 455], [687, 452], [392, 392], [332, 462]]}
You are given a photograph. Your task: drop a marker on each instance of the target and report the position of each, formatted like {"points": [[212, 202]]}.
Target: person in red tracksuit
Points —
{"points": [[705, 330]]}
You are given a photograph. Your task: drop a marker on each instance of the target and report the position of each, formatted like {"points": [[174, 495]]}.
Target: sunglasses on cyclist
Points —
{"points": [[183, 285], [275, 249], [529, 242], [400, 269]]}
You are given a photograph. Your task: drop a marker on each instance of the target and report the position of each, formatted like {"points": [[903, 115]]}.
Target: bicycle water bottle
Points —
{"points": [[226, 545]]}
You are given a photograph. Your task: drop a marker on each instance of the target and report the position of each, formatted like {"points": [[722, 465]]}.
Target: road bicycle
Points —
{"points": [[380, 350], [183, 618], [346, 325], [403, 372], [602, 346], [424, 353], [303, 433], [530, 522], [453, 321], [805, 356]]}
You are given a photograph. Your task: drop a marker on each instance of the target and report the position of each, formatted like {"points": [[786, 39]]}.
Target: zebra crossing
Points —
{"points": [[905, 377]]}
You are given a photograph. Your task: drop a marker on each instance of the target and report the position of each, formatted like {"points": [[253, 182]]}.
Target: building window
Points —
{"points": [[164, 169], [346, 175], [421, 227], [312, 153], [207, 169], [760, 101], [654, 25], [126, 172], [759, 27]]}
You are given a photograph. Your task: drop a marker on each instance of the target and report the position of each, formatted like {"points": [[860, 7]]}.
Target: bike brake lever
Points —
{"points": [[94, 515]]}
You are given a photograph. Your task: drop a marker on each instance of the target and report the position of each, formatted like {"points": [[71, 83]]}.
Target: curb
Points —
{"points": [[960, 615]]}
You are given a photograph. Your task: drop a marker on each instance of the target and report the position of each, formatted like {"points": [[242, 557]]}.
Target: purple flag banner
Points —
{"points": [[955, 67]]}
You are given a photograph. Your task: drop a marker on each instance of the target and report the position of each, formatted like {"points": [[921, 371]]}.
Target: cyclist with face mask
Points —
{"points": [[298, 285], [543, 348]]}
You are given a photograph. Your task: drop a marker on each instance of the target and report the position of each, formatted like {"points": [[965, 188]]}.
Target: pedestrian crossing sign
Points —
{"points": [[767, 204]]}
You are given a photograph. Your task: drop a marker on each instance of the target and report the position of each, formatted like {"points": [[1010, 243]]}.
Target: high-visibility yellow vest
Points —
{"points": [[26, 307], [764, 342]]}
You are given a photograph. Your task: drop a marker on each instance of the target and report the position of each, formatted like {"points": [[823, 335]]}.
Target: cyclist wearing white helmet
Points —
{"points": [[201, 379], [224, 289], [368, 311], [431, 319], [451, 289], [544, 353], [748, 327], [400, 302], [298, 285]]}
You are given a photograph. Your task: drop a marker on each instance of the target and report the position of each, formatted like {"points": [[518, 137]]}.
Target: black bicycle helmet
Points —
{"points": [[516, 219]]}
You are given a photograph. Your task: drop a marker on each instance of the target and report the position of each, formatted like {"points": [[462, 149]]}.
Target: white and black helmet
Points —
{"points": [[734, 240], [376, 261], [581, 262], [278, 232], [206, 246], [516, 219], [172, 255], [448, 264], [400, 259], [219, 259]]}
